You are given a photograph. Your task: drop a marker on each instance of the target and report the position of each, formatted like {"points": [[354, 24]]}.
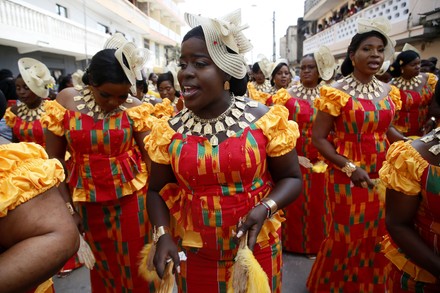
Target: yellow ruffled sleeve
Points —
{"points": [[53, 120], [280, 132], [432, 81], [257, 95], [157, 141], [403, 168], [281, 97], [395, 97], [139, 115], [164, 109], [331, 100], [10, 117], [25, 172]]}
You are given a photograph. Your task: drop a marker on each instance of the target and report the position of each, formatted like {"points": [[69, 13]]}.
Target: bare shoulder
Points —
{"points": [[255, 108], [65, 98], [132, 102]]}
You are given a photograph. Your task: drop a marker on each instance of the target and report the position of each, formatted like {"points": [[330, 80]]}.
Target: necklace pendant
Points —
{"points": [[240, 98], [80, 106], [190, 122], [427, 138], [376, 94], [435, 149], [77, 98], [236, 113], [230, 133], [242, 124], [361, 96], [229, 121], [122, 108], [214, 140], [175, 120], [207, 130], [240, 105], [345, 87], [352, 92], [91, 113], [198, 127], [252, 104], [100, 116], [129, 100], [181, 129], [219, 127], [249, 117], [370, 96]]}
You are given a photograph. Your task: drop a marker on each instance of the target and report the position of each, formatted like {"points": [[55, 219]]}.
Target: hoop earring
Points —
{"points": [[226, 85], [353, 63]]}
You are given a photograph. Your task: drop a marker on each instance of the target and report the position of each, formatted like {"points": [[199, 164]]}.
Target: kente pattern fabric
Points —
{"points": [[25, 131], [349, 258], [408, 172], [410, 119]]}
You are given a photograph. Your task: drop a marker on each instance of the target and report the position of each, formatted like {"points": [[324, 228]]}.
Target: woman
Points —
{"points": [[37, 233], [260, 86], [104, 129], [307, 218], [416, 91], [358, 110], [222, 159], [32, 87], [280, 77], [411, 175], [165, 86]]}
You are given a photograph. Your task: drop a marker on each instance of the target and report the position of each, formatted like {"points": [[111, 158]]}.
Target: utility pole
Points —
{"points": [[274, 44]]}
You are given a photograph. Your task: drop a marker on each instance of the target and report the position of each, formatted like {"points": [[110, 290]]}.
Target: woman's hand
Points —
{"points": [[360, 178], [166, 250], [253, 223]]}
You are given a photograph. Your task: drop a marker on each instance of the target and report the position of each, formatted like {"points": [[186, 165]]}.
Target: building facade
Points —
{"points": [[65, 34]]}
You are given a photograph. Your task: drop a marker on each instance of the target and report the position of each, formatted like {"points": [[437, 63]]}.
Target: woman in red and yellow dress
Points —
{"points": [[359, 110], [103, 129], [416, 91], [221, 159], [259, 88], [32, 86]]}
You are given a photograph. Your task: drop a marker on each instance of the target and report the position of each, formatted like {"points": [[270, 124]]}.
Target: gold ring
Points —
{"points": [[364, 184]]}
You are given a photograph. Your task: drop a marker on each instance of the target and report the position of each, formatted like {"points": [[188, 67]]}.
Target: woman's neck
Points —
{"points": [[363, 78]]}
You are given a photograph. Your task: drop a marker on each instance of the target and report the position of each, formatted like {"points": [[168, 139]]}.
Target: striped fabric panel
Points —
{"points": [[26, 131]]}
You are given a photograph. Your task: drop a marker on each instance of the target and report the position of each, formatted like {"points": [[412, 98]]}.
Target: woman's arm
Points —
{"points": [[322, 126], [159, 215], [286, 173], [39, 236], [394, 135], [400, 213]]}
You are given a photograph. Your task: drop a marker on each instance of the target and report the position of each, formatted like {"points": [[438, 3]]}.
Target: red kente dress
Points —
{"points": [[108, 180], [216, 186], [408, 172], [307, 217], [415, 104], [349, 259]]}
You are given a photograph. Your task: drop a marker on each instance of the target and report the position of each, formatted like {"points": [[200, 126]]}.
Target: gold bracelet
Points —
{"points": [[271, 204], [159, 232], [349, 168], [70, 208]]}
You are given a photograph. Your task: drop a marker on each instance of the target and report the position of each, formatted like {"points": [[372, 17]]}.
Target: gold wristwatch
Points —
{"points": [[349, 168]]}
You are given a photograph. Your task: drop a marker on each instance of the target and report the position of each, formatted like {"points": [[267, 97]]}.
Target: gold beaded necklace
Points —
{"points": [[30, 114], [265, 87], [407, 84], [355, 87], [194, 125], [306, 93]]}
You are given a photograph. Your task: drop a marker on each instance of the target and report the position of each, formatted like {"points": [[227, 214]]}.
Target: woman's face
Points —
{"points": [[166, 90], [200, 79], [259, 77], [308, 73], [110, 96], [368, 58], [282, 77], [25, 94], [411, 69]]}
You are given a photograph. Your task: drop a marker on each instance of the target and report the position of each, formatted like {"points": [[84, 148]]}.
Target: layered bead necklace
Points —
{"points": [[435, 149], [265, 87], [306, 93], [194, 125], [407, 84], [355, 87], [88, 101], [28, 114]]}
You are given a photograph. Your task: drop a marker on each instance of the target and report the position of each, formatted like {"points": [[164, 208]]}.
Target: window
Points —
{"points": [[103, 28], [61, 10], [147, 44]]}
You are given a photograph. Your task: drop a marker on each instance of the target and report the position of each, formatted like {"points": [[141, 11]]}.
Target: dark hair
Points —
{"points": [[236, 86], [402, 59], [3, 104], [167, 76], [433, 60], [255, 67], [347, 66], [7, 86], [64, 80], [6, 73], [274, 72], [104, 68]]}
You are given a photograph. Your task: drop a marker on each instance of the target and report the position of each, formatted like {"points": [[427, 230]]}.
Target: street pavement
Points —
{"points": [[296, 268]]}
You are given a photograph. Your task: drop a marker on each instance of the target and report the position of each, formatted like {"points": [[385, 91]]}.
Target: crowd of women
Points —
{"points": [[232, 171]]}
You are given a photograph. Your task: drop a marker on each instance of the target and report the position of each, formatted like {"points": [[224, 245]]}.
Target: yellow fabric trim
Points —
{"points": [[281, 133], [139, 114], [331, 101], [10, 117], [46, 287], [25, 172], [403, 168], [53, 120], [281, 97], [395, 97], [432, 81], [156, 143], [257, 95], [164, 109]]}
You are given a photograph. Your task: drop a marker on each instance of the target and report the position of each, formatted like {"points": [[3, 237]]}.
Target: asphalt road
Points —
{"points": [[296, 268]]}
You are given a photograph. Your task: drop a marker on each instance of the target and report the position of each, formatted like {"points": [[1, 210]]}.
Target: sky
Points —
{"points": [[258, 14]]}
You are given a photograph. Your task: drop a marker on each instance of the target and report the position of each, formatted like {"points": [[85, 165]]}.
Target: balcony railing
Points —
{"points": [[338, 35]]}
